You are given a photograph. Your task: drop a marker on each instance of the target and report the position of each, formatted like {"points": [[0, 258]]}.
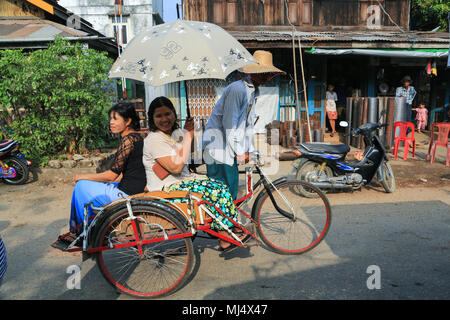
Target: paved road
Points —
{"points": [[405, 234]]}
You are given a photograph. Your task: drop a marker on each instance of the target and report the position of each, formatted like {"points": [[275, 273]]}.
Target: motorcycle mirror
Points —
{"points": [[343, 124]]}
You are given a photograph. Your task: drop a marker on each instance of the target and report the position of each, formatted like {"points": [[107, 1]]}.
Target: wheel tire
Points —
{"points": [[21, 168], [114, 221], [320, 201], [302, 174], [388, 181]]}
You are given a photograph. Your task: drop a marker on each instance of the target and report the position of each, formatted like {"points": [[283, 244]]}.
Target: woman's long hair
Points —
{"points": [[158, 103], [127, 111]]}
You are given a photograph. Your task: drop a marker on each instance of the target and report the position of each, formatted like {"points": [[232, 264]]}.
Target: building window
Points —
{"points": [[232, 11], [120, 29], [219, 11], [293, 11]]}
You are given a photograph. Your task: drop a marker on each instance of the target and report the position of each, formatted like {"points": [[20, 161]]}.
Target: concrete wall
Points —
{"points": [[98, 13], [139, 14]]}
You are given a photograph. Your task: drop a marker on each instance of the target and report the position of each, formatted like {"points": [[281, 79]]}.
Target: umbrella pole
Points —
{"points": [[188, 110]]}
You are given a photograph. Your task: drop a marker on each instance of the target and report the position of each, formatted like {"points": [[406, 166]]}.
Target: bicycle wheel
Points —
{"points": [[287, 221], [161, 269]]}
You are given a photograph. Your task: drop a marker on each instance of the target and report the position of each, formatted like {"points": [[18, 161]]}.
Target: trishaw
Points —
{"points": [[143, 244]]}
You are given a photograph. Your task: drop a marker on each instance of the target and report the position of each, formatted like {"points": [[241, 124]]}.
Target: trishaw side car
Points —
{"points": [[143, 244]]}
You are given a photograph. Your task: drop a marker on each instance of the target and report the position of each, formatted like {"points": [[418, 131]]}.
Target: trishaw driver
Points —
{"points": [[228, 136]]}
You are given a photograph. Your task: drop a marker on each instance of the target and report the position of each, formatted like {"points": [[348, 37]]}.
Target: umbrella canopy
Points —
{"points": [[181, 50]]}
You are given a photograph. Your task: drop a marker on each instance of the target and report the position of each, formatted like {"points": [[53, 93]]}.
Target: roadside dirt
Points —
{"points": [[418, 171], [419, 174]]}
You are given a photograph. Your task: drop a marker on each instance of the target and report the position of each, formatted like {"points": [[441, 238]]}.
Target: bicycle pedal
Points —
{"points": [[251, 243]]}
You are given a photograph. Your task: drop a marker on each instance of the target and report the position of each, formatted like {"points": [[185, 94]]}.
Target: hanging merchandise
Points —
{"points": [[428, 68], [434, 69], [431, 68], [380, 74]]}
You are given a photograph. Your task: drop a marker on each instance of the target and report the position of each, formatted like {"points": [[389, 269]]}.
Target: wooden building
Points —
{"points": [[309, 14], [360, 46]]}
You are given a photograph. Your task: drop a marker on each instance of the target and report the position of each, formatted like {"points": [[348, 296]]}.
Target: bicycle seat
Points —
{"points": [[182, 207], [325, 148]]}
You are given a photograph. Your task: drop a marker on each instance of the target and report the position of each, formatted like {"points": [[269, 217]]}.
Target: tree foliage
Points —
{"points": [[429, 14], [55, 100]]}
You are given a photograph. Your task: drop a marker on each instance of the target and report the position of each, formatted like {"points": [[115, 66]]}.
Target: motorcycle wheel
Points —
{"points": [[22, 171], [304, 173], [388, 181]]}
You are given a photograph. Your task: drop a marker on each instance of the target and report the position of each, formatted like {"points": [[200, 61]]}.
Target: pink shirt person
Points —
{"points": [[422, 118]]}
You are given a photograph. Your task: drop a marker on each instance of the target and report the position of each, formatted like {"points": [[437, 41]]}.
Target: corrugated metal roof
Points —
{"points": [[343, 36], [29, 29]]}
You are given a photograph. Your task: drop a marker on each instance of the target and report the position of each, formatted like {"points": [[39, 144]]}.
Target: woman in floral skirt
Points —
{"points": [[165, 160]]}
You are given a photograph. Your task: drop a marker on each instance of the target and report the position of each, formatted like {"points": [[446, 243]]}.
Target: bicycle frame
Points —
{"points": [[205, 225]]}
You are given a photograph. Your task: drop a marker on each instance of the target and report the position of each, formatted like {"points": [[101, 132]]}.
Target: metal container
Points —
{"points": [[399, 113], [372, 112], [355, 119], [390, 112], [349, 114], [318, 135]]}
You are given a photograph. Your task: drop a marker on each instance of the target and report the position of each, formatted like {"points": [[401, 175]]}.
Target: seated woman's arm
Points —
{"points": [[107, 177], [175, 164], [124, 150]]}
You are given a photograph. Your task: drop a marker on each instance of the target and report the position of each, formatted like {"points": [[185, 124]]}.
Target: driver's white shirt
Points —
{"points": [[233, 118]]}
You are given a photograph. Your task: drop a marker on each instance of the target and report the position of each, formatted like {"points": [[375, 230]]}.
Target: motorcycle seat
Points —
{"points": [[6, 144], [326, 148]]}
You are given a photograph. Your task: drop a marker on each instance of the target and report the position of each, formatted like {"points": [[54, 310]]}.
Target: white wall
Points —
{"points": [[98, 12]]}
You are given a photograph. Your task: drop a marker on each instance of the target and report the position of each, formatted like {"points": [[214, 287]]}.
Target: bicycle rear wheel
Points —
{"points": [[290, 223], [161, 268]]}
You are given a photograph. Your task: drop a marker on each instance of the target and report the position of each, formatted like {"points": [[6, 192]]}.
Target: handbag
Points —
{"points": [[160, 171]]}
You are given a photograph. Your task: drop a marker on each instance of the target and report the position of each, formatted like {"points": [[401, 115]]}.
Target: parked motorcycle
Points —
{"points": [[324, 165], [14, 168]]}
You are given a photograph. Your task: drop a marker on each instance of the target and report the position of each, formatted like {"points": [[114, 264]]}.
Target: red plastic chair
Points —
{"points": [[442, 141], [404, 126]]}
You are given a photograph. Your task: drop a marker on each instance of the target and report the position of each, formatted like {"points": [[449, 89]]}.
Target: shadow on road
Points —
{"points": [[409, 241], [410, 249]]}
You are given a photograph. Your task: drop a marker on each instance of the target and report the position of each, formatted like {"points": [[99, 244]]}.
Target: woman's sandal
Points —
{"points": [[64, 241], [233, 246]]}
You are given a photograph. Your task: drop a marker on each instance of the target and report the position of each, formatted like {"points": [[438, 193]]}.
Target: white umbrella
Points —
{"points": [[181, 50]]}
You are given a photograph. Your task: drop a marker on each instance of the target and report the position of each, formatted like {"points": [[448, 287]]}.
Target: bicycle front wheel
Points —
{"points": [[289, 222]]}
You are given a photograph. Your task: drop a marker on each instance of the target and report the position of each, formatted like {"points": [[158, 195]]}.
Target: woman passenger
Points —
{"points": [[165, 160], [126, 176]]}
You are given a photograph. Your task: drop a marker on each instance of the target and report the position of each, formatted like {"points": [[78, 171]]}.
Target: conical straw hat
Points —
{"points": [[264, 65]]}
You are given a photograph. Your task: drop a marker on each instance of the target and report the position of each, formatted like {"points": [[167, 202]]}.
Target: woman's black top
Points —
{"points": [[128, 161]]}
